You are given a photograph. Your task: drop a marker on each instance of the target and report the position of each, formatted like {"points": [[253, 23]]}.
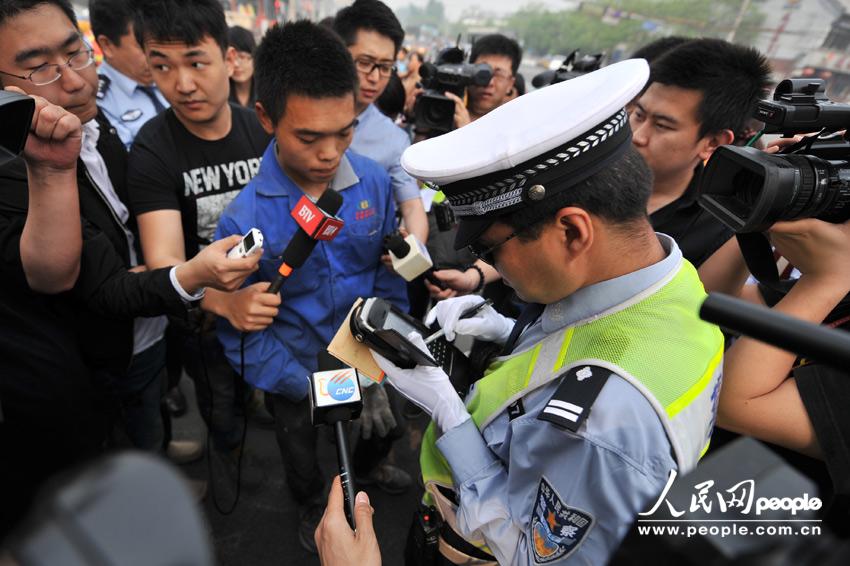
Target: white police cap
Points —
{"points": [[531, 148]]}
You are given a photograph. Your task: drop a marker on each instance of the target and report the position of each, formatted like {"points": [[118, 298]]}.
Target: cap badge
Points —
{"points": [[536, 192]]}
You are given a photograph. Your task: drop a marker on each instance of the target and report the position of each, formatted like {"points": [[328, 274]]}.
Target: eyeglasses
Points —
{"points": [[486, 254], [244, 58], [501, 76], [52, 72], [367, 65]]}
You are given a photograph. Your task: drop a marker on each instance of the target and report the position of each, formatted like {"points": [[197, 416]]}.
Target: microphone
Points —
{"points": [[317, 222], [410, 258], [814, 341], [334, 400]]}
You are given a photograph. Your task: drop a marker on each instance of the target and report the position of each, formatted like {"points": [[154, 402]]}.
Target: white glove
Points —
{"points": [[427, 386], [486, 324]]}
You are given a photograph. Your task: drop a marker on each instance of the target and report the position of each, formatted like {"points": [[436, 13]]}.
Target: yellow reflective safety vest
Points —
{"points": [[655, 341]]}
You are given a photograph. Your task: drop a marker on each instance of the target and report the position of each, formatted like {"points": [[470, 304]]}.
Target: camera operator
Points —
{"points": [[699, 94], [374, 35], [504, 55]]}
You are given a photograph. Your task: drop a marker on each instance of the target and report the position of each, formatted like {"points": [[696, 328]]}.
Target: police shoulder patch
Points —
{"points": [[556, 529], [103, 83]]}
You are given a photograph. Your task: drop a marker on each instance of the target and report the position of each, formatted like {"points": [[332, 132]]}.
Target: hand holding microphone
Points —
{"points": [[317, 222], [334, 400]]}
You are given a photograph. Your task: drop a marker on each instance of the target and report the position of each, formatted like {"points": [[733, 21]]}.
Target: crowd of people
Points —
{"points": [[574, 207]]}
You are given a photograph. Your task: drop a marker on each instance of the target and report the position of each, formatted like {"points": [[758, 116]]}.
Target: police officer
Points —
{"points": [[126, 91], [608, 381]]}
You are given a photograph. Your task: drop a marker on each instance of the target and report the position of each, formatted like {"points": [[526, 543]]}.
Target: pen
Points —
{"points": [[468, 313]]}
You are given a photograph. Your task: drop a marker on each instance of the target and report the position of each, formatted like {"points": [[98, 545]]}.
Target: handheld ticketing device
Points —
{"points": [[385, 328]]}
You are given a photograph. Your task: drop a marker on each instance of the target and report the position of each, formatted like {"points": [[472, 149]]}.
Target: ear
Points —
{"points": [[264, 118], [575, 228], [106, 46], [712, 141], [230, 60], [511, 84]]}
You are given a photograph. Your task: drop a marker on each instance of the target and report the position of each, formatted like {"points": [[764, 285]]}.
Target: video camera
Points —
{"points": [[434, 111], [16, 112], [573, 66], [749, 190]]}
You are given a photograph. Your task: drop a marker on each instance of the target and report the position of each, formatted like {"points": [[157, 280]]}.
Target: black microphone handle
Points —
{"points": [[274, 288], [803, 338], [345, 478]]}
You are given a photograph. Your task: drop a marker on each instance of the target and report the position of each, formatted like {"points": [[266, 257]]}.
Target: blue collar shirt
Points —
{"points": [[317, 296]]}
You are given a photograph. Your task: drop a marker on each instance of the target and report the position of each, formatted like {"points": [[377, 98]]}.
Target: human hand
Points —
{"points": [[340, 546], [427, 386], [376, 413], [461, 117], [486, 324], [817, 248], [55, 139], [781, 143], [252, 308], [212, 268], [457, 283]]}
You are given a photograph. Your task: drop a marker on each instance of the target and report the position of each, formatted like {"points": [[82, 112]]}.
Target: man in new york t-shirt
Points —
{"points": [[185, 167]]}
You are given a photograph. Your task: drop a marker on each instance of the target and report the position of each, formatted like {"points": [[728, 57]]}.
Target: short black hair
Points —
{"points": [[655, 49], [186, 21], [391, 101], [497, 44], [618, 194], [732, 79], [301, 58], [241, 39], [371, 15], [110, 18], [11, 8]]}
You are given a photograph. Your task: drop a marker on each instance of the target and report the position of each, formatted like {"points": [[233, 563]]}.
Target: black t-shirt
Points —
{"points": [[696, 231], [172, 169]]}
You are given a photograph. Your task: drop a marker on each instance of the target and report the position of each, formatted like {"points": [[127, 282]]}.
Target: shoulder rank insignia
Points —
{"points": [[103, 83], [570, 405], [556, 529]]}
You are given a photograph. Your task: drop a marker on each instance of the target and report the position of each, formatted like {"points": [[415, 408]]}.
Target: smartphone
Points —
{"points": [[250, 244]]}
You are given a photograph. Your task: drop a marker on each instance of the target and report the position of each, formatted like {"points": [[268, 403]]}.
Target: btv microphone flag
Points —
{"points": [[317, 221]]}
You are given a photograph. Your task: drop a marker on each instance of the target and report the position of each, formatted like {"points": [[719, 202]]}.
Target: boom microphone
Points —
{"points": [[317, 221], [814, 341]]}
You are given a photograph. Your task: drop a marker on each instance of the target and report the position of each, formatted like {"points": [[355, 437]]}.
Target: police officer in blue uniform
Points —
{"points": [[126, 91], [608, 382]]}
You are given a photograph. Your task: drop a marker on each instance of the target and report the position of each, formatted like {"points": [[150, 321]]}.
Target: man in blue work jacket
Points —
{"points": [[305, 85]]}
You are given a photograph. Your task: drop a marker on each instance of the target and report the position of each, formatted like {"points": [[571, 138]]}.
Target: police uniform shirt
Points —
{"points": [[126, 102], [623, 445]]}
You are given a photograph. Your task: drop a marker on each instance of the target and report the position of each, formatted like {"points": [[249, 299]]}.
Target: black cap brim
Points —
{"points": [[470, 228]]}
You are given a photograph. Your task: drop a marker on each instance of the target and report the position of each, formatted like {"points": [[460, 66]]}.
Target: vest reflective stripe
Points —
{"points": [[677, 370]]}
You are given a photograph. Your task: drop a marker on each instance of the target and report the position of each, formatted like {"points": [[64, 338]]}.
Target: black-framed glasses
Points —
{"points": [[485, 254], [51, 72], [366, 65]]}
